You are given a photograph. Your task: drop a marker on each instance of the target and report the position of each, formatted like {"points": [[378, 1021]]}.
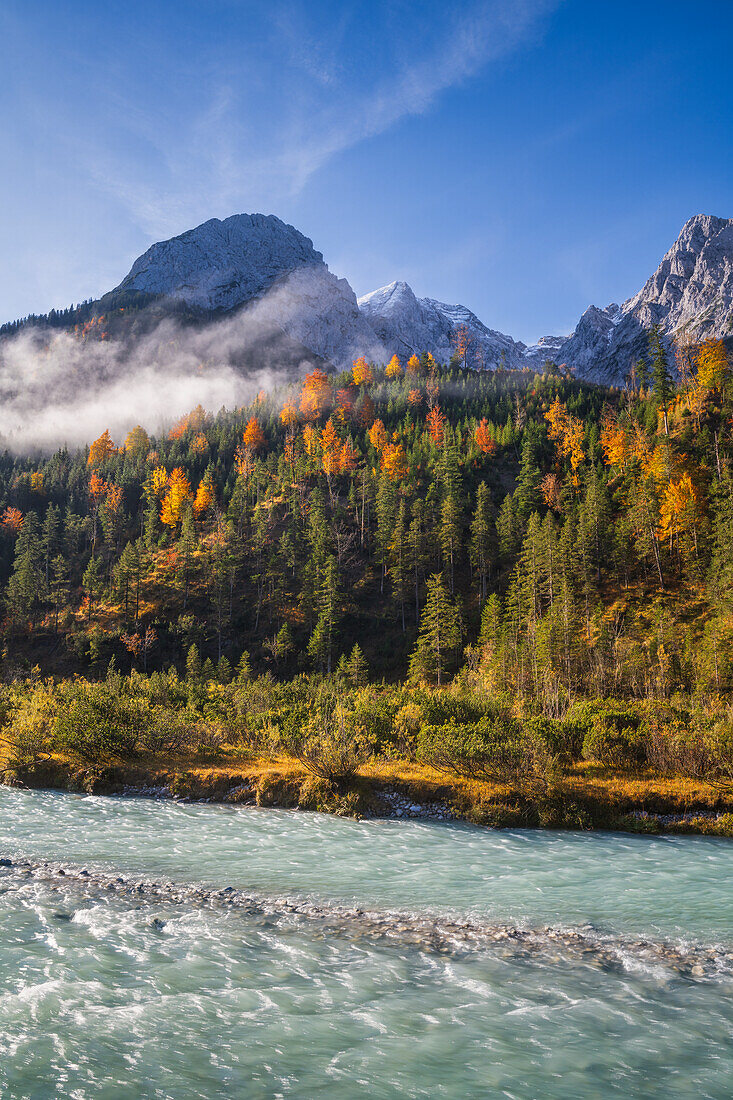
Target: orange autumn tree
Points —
{"points": [[114, 499], [101, 449], [483, 439], [394, 461], [289, 414], [204, 497], [680, 514], [193, 421], [362, 372], [713, 366], [254, 438], [568, 432], [393, 368], [435, 421], [97, 487], [414, 399], [345, 404], [330, 449], [616, 441], [551, 489], [377, 435], [316, 395], [349, 457], [413, 365], [311, 440], [179, 491], [12, 520]]}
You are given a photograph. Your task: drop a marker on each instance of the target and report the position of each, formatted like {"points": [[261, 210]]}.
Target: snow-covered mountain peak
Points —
{"points": [[409, 325], [392, 296]]}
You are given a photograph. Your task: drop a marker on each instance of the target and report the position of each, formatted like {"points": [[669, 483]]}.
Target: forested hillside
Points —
{"points": [[556, 536]]}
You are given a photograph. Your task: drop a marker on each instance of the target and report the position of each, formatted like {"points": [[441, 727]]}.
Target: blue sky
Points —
{"points": [[523, 157]]}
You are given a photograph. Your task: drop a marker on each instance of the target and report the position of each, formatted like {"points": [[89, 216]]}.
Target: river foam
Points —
{"points": [[190, 952], [428, 933]]}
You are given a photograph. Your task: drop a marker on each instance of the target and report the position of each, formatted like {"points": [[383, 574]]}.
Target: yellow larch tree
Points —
{"points": [[253, 437], [101, 449], [394, 461], [568, 432], [713, 366], [330, 449], [204, 497], [362, 372], [377, 436], [179, 490], [393, 368], [316, 395]]}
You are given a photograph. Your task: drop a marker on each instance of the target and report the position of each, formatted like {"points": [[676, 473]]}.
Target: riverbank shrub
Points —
{"points": [[29, 726], [613, 732], [560, 737], [328, 738], [333, 729], [490, 748]]}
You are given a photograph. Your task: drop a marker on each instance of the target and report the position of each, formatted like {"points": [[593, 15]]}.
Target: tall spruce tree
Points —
{"points": [[439, 636]]}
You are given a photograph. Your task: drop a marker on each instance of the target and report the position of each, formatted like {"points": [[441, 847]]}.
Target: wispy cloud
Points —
{"points": [[227, 157]]}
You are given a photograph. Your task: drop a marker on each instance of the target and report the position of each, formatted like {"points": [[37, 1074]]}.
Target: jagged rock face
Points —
{"points": [[406, 324], [547, 347], [257, 262], [320, 311], [257, 258], [691, 291], [591, 339], [692, 288]]}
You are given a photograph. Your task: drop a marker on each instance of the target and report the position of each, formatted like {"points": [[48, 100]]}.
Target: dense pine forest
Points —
{"points": [[464, 555]]}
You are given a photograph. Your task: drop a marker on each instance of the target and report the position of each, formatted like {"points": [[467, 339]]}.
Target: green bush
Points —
{"points": [[615, 745], [561, 738], [614, 733], [327, 737], [488, 749], [94, 722], [29, 731]]}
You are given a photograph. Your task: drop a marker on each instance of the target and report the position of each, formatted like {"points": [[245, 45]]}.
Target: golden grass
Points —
{"points": [[587, 796]]}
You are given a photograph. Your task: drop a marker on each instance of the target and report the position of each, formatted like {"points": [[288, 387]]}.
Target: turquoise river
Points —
{"points": [[160, 949]]}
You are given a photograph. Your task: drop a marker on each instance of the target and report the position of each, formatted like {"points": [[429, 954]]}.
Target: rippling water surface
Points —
{"points": [[110, 990]]}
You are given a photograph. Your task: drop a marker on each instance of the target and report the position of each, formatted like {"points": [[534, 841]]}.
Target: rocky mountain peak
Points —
{"points": [[408, 325], [220, 264], [693, 285], [259, 263]]}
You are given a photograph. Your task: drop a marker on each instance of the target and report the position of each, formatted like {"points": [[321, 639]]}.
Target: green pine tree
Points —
{"points": [[439, 635]]}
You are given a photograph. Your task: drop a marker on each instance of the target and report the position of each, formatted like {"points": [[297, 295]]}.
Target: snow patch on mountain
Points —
{"points": [[409, 325]]}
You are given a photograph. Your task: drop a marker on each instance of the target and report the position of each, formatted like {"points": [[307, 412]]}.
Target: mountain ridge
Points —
{"points": [[261, 263]]}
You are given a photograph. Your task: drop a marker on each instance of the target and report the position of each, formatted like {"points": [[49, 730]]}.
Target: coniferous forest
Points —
{"points": [[507, 577]]}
